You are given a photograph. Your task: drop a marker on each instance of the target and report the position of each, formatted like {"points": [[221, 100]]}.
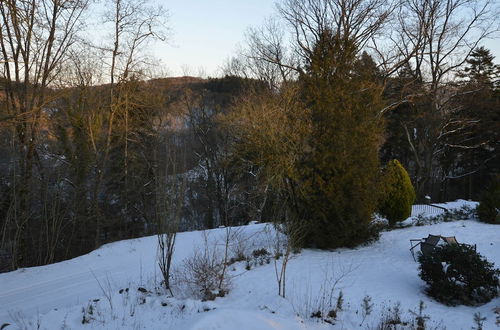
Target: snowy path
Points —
{"points": [[72, 282]]}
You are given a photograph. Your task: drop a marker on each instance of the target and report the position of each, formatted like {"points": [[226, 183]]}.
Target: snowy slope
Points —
{"points": [[54, 295]]}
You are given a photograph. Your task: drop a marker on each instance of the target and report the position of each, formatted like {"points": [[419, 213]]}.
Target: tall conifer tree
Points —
{"points": [[339, 170]]}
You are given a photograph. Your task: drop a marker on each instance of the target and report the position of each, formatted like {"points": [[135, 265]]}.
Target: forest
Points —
{"points": [[97, 145]]}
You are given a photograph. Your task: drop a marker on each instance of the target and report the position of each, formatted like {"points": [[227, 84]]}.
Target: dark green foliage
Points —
{"points": [[480, 67], [479, 99], [399, 195], [337, 175], [489, 206], [457, 274]]}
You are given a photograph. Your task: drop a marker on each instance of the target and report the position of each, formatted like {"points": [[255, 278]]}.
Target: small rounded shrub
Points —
{"points": [[398, 193], [489, 206], [458, 275]]}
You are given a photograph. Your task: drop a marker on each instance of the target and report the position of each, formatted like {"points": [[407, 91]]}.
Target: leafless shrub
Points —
{"points": [[203, 273], [106, 290], [393, 318], [328, 300], [239, 246]]}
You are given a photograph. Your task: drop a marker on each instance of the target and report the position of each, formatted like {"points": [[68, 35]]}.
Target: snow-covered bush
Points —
{"points": [[259, 257], [398, 193], [457, 274], [489, 206], [465, 212]]}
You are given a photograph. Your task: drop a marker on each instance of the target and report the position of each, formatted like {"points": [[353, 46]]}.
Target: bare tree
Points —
{"points": [[135, 23], [281, 49], [35, 39], [269, 56], [169, 196], [355, 20], [201, 119], [439, 36]]}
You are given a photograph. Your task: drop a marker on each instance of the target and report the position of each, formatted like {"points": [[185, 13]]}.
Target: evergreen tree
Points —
{"points": [[316, 142], [338, 172], [489, 206], [480, 68], [398, 193], [477, 127]]}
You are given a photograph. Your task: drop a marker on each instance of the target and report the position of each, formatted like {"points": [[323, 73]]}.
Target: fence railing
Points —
{"points": [[427, 210]]}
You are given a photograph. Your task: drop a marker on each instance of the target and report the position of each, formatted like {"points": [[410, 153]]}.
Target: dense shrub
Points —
{"points": [[489, 206], [457, 274], [398, 193]]}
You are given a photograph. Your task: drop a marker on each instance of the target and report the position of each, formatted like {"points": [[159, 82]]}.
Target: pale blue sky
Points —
{"points": [[206, 32]]}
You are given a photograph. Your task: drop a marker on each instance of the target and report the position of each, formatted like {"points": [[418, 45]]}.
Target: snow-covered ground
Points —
{"points": [[60, 296]]}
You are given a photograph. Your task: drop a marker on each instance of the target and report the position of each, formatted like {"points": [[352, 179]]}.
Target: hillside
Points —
{"points": [[89, 288]]}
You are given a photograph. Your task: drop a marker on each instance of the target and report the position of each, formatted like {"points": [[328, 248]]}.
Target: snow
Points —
{"points": [[54, 296]]}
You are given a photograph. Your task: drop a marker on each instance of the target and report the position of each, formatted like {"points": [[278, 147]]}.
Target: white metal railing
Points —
{"points": [[427, 210]]}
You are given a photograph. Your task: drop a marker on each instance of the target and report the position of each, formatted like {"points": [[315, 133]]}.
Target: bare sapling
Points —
{"points": [[107, 291], [169, 197], [230, 237], [326, 301], [282, 238]]}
